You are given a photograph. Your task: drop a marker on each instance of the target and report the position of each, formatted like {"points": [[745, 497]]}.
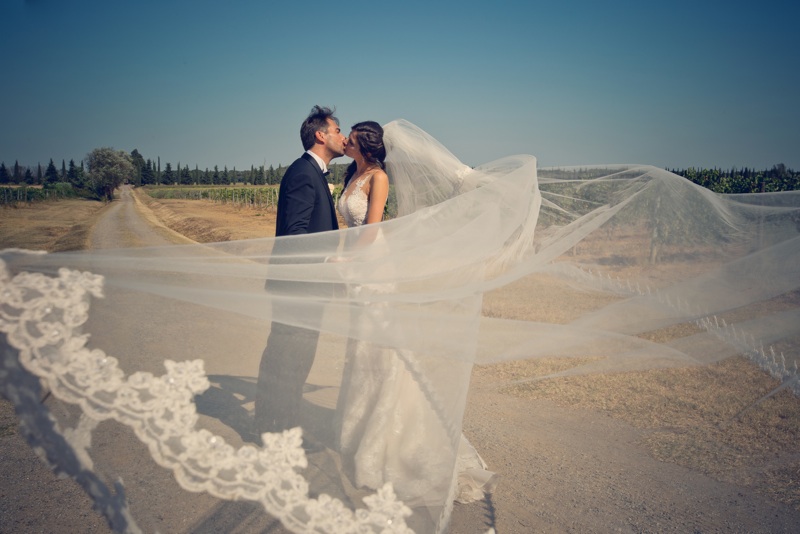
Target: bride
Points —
{"points": [[389, 427]]}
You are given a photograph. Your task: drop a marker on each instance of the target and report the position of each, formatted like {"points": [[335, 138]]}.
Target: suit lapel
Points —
{"points": [[322, 179], [313, 162]]}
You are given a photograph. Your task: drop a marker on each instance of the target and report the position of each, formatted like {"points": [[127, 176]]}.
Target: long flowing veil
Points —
{"points": [[148, 356]]}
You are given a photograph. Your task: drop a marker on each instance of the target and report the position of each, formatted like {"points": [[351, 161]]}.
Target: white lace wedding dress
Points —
{"points": [[390, 428]]}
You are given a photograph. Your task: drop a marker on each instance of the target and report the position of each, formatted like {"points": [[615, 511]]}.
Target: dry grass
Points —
{"points": [[716, 419], [206, 221], [53, 226], [547, 299]]}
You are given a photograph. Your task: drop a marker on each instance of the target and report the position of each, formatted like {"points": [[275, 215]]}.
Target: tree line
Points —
{"points": [[97, 176], [745, 180], [150, 172], [22, 175], [104, 169]]}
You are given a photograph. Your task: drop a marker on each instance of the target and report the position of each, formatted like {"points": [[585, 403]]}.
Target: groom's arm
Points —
{"points": [[300, 196]]}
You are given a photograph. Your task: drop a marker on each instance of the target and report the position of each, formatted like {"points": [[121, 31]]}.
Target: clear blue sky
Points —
{"points": [[672, 84]]}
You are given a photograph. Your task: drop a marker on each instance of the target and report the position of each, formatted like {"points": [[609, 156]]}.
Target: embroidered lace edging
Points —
{"points": [[41, 315]]}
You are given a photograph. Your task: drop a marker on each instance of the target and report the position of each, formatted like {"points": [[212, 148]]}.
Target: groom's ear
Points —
{"points": [[318, 135]]}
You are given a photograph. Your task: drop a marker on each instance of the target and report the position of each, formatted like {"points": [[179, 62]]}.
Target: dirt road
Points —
{"points": [[125, 225]]}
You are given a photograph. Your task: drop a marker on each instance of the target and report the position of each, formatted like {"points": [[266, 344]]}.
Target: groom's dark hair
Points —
{"points": [[317, 120]]}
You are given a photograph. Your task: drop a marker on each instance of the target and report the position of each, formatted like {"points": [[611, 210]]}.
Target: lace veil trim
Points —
{"points": [[41, 317]]}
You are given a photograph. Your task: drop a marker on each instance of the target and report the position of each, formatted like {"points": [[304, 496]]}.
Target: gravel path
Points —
{"points": [[125, 225]]}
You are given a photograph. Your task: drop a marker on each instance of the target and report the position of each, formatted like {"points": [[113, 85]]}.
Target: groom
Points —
{"points": [[305, 206]]}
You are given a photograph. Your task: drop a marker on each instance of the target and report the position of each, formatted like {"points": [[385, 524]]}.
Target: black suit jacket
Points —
{"points": [[305, 204]]}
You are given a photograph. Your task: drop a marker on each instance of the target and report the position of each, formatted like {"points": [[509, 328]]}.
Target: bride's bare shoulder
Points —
{"points": [[380, 176]]}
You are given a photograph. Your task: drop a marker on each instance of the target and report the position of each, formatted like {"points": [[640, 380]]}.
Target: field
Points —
{"points": [[703, 424]]}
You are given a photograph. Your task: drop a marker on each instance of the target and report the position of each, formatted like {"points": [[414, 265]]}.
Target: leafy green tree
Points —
{"points": [[51, 174], [29, 177], [38, 173], [108, 168], [63, 175], [17, 176], [4, 176], [215, 178]]}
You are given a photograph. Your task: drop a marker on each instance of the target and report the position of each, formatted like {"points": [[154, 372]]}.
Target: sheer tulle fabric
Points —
{"points": [[151, 354], [389, 427]]}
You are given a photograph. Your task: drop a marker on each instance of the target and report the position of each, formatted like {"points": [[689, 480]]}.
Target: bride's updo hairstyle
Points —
{"points": [[370, 144]]}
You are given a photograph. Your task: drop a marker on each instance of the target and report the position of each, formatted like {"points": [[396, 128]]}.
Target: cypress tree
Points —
{"points": [[138, 165], [168, 178], [148, 176], [51, 174], [72, 172], [185, 176]]}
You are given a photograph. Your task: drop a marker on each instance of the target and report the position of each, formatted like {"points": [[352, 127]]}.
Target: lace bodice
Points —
{"points": [[353, 203]]}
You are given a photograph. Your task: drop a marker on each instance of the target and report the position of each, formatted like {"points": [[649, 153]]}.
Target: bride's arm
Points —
{"points": [[377, 195]]}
